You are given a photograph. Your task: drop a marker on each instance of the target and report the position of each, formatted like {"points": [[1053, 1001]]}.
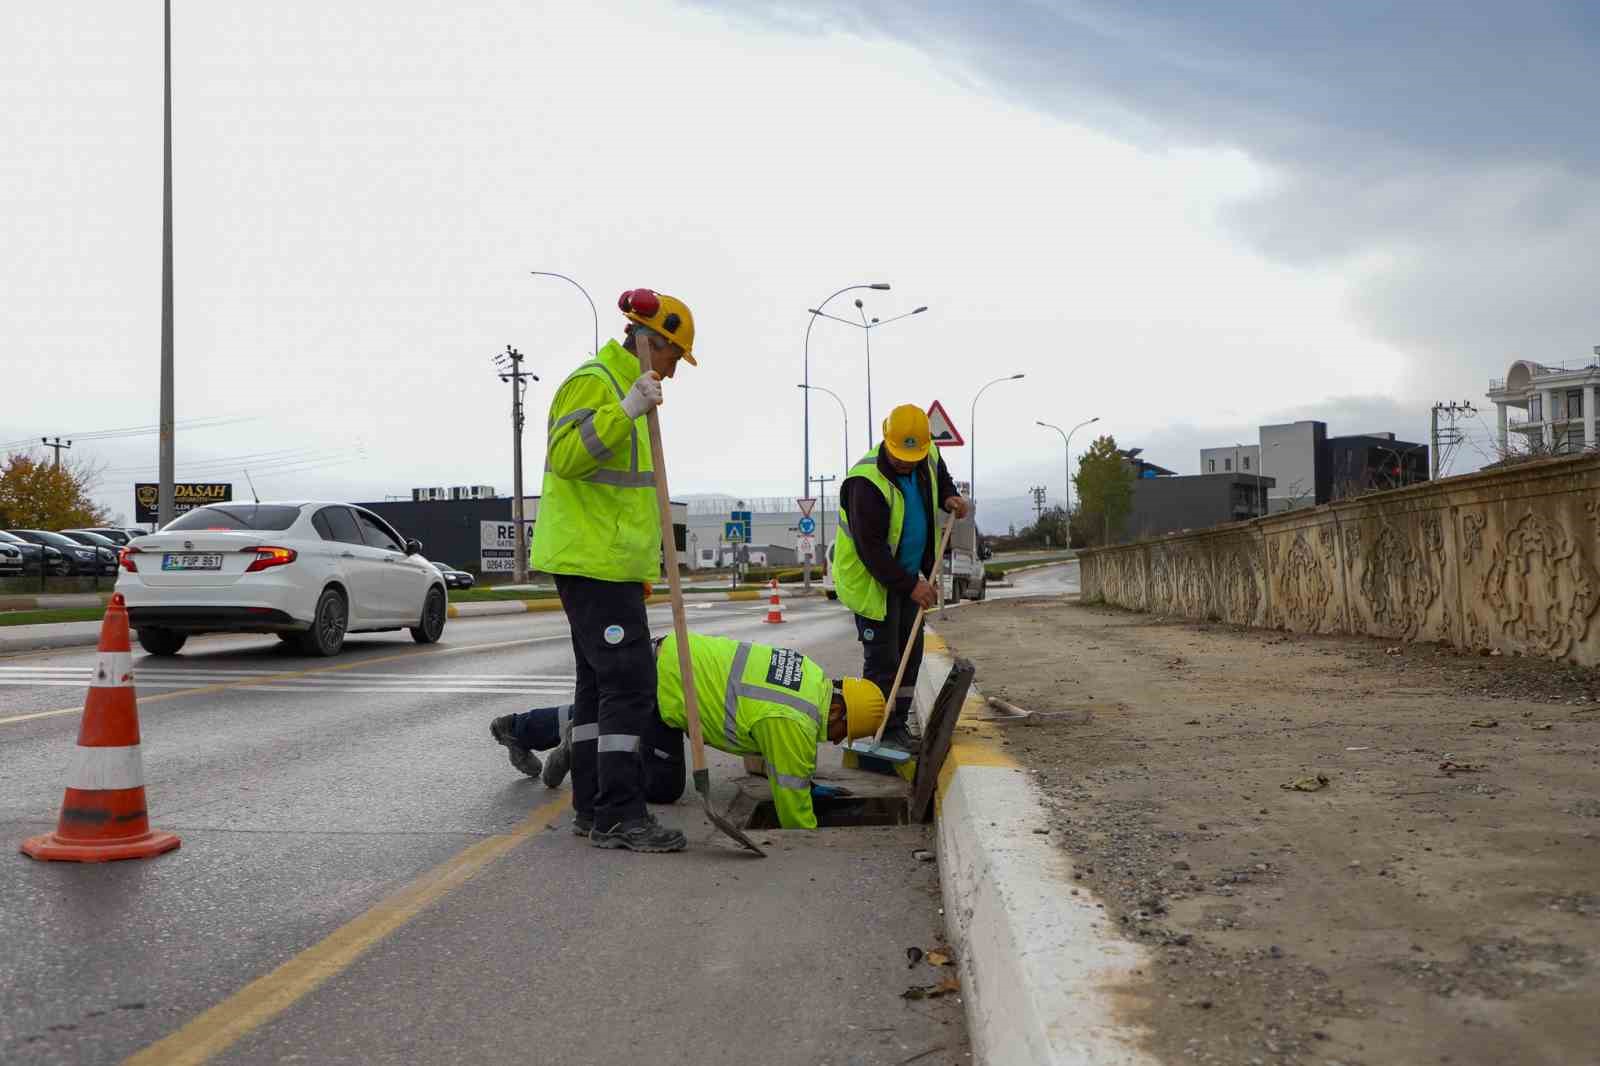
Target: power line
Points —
{"points": [[138, 431]]}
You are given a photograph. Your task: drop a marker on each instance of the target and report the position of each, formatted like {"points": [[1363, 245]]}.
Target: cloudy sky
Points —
{"points": [[1185, 219]]}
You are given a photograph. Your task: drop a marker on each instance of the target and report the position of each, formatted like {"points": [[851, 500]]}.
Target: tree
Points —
{"points": [[42, 495], [1105, 491]]}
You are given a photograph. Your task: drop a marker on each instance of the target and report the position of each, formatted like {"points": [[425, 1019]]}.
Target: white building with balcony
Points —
{"points": [[1557, 402]]}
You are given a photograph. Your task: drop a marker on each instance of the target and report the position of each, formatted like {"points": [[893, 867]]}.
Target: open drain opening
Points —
{"points": [[838, 812]]}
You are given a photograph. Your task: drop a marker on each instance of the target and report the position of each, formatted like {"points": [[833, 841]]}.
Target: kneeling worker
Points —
{"points": [[754, 700]]}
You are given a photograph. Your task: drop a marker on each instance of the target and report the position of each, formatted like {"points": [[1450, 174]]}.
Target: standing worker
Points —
{"points": [[599, 534], [883, 552]]}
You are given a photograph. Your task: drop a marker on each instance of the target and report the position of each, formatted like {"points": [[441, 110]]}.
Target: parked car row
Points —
{"points": [[64, 553]]}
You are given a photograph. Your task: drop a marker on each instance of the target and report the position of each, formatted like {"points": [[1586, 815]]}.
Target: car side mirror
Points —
{"points": [[413, 547]]}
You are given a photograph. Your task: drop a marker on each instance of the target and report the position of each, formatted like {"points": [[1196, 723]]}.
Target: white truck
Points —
{"points": [[963, 568]]}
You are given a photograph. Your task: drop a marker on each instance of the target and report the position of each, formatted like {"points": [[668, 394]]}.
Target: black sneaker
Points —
{"points": [[521, 757], [640, 834], [901, 738], [582, 824], [559, 761]]}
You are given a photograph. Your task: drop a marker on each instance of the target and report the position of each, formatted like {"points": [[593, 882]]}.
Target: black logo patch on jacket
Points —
{"points": [[787, 669]]}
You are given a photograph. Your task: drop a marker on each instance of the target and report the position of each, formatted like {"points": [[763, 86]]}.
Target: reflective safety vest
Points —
{"points": [[854, 583], [597, 511], [754, 700]]}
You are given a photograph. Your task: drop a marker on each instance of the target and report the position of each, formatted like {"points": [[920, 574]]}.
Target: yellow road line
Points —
{"points": [[263, 999], [270, 678]]}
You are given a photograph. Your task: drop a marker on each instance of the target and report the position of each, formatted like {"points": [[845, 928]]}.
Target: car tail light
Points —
{"points": [[267, 558], [125, 557]]}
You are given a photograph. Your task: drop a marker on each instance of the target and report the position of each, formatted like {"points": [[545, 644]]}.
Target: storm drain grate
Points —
{"points": [[840, 812]]}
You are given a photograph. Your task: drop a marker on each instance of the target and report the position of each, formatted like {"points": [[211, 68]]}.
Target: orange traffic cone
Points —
{"points": [[103, 815], [775, 608]]}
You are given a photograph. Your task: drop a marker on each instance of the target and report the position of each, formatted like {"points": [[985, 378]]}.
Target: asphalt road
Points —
{"points": [[1059, 579], [364, 878]]}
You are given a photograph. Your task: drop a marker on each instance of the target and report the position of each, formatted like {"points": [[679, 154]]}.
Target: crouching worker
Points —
{"points": [[754, 700]]}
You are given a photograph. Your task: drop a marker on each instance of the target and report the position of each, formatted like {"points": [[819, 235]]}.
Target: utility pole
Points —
{"points": [[164, 506], [822, 518], [1449, 437], [58, 446], [1037, 492], [510, 365]]}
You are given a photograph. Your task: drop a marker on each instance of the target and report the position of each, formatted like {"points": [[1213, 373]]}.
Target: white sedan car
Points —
{"points": [[309, 572]]}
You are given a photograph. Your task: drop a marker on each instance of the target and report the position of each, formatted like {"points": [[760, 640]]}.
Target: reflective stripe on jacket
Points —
{"points": [[597, 511], [856, 587], [754, 700]]}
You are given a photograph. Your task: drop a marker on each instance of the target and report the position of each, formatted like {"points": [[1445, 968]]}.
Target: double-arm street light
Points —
{"points": [[972, 436], [866, 326], [586, 296], [882, 286], [1066, 441]]}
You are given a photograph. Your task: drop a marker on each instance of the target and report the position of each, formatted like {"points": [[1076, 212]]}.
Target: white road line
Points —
{"points": [[244, 675]]}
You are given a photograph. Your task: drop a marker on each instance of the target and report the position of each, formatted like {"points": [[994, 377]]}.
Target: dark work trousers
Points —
{"points": [[615, 696], [882, 644], [660, 749]]}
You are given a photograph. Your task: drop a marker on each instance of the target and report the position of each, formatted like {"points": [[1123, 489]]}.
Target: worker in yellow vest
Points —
{"points": [[599, 534], [883, 553], [754, 700]]}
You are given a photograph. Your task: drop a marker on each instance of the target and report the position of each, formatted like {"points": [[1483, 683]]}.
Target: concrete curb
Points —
{"points": [[54, 602], [1042, 971]]}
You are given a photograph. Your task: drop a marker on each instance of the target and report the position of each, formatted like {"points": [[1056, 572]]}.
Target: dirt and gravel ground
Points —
{"points": [[1401, 913]]}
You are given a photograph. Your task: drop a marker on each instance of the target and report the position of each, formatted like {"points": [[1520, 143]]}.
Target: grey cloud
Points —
{"points": [[1453, 143]]}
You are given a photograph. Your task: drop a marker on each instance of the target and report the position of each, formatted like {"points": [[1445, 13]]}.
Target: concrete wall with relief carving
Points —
{"points": [[1506, 560]]}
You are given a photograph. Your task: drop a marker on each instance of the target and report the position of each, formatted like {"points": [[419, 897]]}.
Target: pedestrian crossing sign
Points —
{"points": [[940, 429], [733, 532]]}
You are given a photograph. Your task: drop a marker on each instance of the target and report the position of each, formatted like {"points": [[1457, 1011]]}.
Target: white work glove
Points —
{"points": [[645, 394]]}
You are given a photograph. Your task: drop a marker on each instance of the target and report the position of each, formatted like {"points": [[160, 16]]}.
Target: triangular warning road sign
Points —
{"points": [[942, 429]]}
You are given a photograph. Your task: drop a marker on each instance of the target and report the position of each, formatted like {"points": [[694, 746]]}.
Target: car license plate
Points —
{"points": [[190, 561]]}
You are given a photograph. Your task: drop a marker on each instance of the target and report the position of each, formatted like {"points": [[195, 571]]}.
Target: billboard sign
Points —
{"points": [[186, 496], [497, 546]]}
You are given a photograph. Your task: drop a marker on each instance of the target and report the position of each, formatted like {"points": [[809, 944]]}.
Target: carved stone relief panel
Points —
{"points": [[1303, 587], [1540, 586]]}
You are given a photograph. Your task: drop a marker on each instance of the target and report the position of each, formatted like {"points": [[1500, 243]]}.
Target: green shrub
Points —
{"points": [[760, 575], [994, 573]]}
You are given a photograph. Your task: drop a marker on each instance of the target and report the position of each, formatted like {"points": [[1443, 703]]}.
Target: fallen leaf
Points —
{"points": [[1483, 723], [1307, 784], [938, 958], [1450, 766], [913, 956], [1540, 725]]}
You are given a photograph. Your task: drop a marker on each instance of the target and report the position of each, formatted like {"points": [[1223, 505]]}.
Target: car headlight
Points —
{"points": [[85, 553]]}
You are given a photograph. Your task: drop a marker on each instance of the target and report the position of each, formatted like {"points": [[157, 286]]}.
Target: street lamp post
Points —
{"points": [[1066, 441], [972, 436], [867, 327], [843, 414], [882, 286], [586, 296], [164, 493], [844, 456]]}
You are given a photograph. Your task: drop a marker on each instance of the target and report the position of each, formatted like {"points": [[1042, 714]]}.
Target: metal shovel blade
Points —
{"points": [[702, 785], [865, 746]]}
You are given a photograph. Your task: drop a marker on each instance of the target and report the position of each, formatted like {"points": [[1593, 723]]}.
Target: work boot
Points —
{"points": [[639, 834], [521, 757], [582, 824], [899, 737], [559, 761]]}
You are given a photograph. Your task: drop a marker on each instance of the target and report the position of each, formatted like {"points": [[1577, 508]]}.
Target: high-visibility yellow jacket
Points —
{"points": [[754, 700], [856, 587], [597, 511]]}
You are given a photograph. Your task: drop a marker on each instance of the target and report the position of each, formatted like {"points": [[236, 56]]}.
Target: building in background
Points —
{"points": [[1235, 459], [478, 535], [1374, 462], [1164, 505], [1557, 402]]}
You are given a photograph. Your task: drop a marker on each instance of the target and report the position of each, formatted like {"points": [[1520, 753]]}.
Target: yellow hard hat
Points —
{"points": [[863, 707], [906, 433], [667, 315]]}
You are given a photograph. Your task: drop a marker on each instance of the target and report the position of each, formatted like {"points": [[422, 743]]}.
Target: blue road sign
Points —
{"points": [[734, 531], [808, 525]]}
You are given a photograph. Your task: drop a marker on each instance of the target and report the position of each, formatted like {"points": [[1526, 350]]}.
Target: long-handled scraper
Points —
{"points": [[680, 626]]}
